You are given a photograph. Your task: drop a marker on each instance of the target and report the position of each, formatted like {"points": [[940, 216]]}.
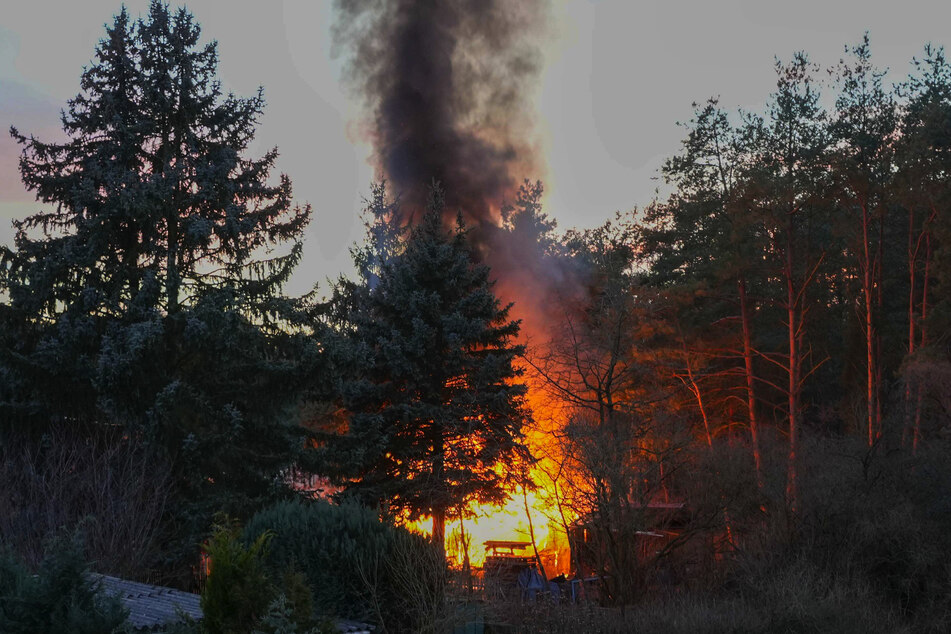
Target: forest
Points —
{"points": [[727, 410]]}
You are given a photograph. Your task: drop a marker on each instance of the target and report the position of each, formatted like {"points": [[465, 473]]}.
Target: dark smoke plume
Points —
{"points": [[447, 87]]}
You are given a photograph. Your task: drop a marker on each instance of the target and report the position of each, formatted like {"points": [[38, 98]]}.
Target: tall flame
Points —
{"points": [[528, 516], [446, 86]]}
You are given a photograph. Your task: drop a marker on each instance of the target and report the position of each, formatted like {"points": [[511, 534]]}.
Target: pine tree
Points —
{"points": [[436, 411], [148, 293], [704, 244], [64, 285], [924, 161], [862, 164], [786, 187]]}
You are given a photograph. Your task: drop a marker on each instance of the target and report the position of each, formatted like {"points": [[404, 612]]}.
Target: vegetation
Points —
{"points": [[739, 394], [428, 375], [58, 598], [110, 491], [356, 566], [146, 295], [237, 592]]}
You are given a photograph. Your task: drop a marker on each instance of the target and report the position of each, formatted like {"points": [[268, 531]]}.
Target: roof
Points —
{"points": [[498, 543], [151, 607]]}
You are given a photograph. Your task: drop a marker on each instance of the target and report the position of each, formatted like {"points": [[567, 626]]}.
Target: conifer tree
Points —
{"points": [[704, 243], [923, 164], [786, 186], [435, 408], [862, 164], [147, 293]]}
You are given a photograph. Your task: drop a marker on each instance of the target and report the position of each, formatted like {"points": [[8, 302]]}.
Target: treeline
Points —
{"points": [[756, 366], [807, 248]]}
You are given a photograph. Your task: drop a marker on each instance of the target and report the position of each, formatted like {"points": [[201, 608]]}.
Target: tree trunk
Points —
{"points": [[439, 531], [695, 388], [912, 266], [924, 340], [750, 393], [792, 484], [439, 510], [870, 365], [531, 534], [878, 282], [466, 563], [171, 263]]}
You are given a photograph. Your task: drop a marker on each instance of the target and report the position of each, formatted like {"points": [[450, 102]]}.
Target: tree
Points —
{"points": [[862, 128], [430, 384], [608, 451], [703, 245], [924, 162], [786, 188], [148, 293]]}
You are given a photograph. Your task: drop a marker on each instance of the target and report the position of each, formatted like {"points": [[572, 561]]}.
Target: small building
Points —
{"points": [[650, 530]]}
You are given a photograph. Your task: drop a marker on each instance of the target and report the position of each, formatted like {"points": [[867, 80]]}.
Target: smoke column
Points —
{"points": [[446, 85]]}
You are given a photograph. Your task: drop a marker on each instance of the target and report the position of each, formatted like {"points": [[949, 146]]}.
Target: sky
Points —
{"points": [[618, 76]]}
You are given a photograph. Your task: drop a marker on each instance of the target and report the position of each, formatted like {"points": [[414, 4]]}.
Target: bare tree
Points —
{"points": [[104, 485], [607, 460]]}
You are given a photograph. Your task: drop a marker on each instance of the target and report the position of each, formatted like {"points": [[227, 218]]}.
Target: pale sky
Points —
{"points": [[619, 75]]}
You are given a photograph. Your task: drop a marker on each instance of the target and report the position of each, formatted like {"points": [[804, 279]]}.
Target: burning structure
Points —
{"points": [[446, 89]]}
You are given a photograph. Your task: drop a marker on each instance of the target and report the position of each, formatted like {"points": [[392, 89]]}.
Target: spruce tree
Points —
{"points": [[147, 294], [435, 409]]}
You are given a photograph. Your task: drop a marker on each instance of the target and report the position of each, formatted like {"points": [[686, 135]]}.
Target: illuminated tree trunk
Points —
{"points": [[531, 535], [464, 540], [793, 327], [439, 511], [870, 363], [694, 388]]}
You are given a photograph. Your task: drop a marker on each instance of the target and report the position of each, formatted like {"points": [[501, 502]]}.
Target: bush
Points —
{"points": [[58, 598], [112, 488], [873, 530], [238, 591], [281, 618], [357, 566], [783, 606], [241, 593]]}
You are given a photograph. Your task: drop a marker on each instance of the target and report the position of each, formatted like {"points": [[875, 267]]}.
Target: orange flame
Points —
{"points": [[527, 513]]}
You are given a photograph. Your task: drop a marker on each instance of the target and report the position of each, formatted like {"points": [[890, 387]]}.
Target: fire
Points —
{"points": [[509, 522], [528, 515]]}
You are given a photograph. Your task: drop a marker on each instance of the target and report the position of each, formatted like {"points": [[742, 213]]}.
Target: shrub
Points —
{"points": [[241, 592], [357, 566], [281, 618], [238, 590], [58, 598]]}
